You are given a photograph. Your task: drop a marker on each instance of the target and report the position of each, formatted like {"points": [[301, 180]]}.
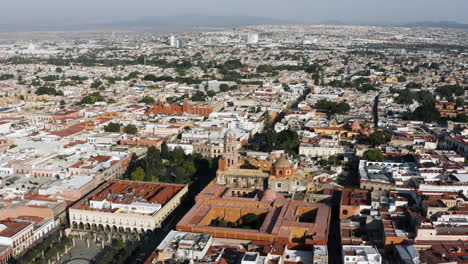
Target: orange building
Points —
{"points": [[446, 109], [283, 220], [353, 202], [199, 108], [142, 142]]}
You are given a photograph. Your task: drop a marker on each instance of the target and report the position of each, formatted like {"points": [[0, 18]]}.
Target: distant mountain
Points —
{"points": [[440, 24], [160, 24]]}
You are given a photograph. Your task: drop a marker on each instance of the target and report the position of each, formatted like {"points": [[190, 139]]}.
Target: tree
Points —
{"points": [[58, 70], [462, 118], [426, 113], [413, 85], [180, 175], [131, 129], [177, 156], [380, 137], [198, 96], [373, 155], [153, 164], [224, 87], [92, 98], [138, 175], [96, 84], [449, 91], [112, 127], [332, 107], [147, 100], [211, 93], [46, 90], [189, 168], [165, 153], [459, 102]]}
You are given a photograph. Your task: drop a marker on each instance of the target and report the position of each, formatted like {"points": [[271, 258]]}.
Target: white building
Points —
{"points": [[252, 38], [184, 246], [172, 41], [361, 255]]}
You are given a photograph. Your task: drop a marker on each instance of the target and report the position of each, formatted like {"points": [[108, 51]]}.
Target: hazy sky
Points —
{"points": [[72, 11]]}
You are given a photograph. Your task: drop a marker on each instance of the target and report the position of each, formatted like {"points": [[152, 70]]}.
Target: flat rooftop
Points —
{"points": [[130, 192]]}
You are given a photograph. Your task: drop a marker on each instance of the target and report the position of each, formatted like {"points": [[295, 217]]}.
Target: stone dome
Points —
{"points": [[230, 133], [282, 163], [269, 195]]}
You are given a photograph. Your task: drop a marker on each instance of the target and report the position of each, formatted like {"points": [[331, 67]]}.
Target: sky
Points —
{"points": [[307, 11]]}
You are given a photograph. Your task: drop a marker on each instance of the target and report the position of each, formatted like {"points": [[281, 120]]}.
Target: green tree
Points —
{"points": [[211, 93], [180, 176], [96, 84], [147, 100], [462, 118], [153, 164], [112, 127], [379, 137], [177, 156], [92, 98], [373, 155], [198, 96], [46, 90], [165, 153], [332, 107], [426, 113], [189, 168], [131, 129], [138, 175], [459, 102], [224, 87]]}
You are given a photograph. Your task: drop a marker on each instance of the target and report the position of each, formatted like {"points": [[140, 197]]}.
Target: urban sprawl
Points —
{"points": [[254, 145]]}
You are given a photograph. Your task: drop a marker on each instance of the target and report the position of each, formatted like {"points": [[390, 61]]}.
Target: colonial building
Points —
{"points": [[17, 235], [127, 206], [283, 176], [196, 108], [277, 219]]}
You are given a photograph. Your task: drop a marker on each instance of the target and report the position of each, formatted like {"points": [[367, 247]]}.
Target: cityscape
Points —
{"points": [[269, 143]]}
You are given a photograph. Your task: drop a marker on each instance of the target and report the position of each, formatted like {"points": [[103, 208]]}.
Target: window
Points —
{"points": [[278, 185], [345, 212], [280, 172]]}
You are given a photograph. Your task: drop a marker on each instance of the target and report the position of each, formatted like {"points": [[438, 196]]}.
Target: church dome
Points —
{"points": [[269, 195], [282, 163], [230, 133]]}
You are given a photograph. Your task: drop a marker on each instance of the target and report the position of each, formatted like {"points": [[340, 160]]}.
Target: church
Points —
{"points": [[283, 177]]}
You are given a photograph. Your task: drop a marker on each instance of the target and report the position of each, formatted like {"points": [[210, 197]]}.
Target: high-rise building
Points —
{"points": [[173, 41], [180, 44], [252, 38]]}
